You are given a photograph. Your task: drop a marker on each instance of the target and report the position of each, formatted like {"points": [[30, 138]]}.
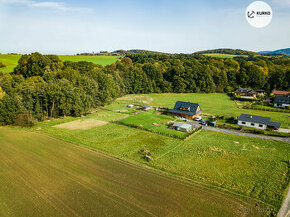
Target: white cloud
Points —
{"points": [[48, 4]]}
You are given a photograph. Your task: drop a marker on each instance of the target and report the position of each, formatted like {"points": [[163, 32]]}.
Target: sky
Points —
{"points": [[183, 26]]}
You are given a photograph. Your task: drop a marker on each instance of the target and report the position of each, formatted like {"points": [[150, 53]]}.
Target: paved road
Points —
{"points": [[285, 209], [247, 134]]}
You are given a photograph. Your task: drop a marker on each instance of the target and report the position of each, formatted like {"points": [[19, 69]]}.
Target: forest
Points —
{"points": [[43, 86]]}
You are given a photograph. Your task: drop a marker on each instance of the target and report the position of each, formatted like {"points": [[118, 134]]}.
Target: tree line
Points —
{"points": [[43, 86]]}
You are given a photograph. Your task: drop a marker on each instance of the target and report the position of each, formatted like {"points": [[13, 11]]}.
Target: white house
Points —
{"points": [[257, 122], [282, 102]]}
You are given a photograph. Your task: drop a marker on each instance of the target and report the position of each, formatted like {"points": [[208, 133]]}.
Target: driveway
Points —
{"points": [[285, 209], [247, 134]]}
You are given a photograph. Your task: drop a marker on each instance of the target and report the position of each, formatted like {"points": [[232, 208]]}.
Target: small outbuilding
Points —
{"points": [[146, 107], [183, 127]]}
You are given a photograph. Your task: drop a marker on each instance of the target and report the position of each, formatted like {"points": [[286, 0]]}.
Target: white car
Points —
{"points": [[198, 118]]}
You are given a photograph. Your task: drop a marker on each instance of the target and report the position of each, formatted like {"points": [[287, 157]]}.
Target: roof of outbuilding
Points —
{"points": [[282, 100], [192, 108], [258, 119]]}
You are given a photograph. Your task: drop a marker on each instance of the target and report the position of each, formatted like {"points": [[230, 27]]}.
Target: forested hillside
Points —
{"points": [[228, 51], [43, 86]]}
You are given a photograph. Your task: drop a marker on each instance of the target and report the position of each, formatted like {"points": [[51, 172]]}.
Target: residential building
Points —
{"points": [[185, 109], [282, 102], [257, 122], [245, 93]]}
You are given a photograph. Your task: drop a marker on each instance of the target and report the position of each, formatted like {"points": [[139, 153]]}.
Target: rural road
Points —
{"points": [[247, 134], [285, 209]]}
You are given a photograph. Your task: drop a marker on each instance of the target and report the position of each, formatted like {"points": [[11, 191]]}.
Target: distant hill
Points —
{"points": [[120, 53], [285, 51], [228, 51], [136, 51]]}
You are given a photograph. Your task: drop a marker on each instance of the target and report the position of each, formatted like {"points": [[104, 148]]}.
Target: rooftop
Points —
{"points": [[280, 92], [191, 108], [282, 100]]}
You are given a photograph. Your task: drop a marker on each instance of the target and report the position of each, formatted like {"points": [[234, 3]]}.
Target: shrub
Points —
{"points": [[24, 120], [2, 65]]}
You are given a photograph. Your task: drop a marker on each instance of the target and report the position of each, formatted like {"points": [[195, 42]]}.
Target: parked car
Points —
{"points": [[203, 122], [212, 124], [198, 118]]}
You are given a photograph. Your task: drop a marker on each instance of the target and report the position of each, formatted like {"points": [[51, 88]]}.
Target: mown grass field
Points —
{"points": [[11, 60], [212, 104], [44, 176], [251, 167], [154, 122]]}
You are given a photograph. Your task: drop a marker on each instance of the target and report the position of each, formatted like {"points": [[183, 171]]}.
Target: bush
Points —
{"points": [[2, 65], [24, 120]]}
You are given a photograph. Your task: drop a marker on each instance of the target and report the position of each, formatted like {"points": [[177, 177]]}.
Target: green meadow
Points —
{"points": [[44, 176], [11, 60], [243, 166], [220, 55], [211, 104], [101, 60]]}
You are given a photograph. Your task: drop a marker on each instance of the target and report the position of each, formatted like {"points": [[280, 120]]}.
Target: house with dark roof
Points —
{"points": [[245, 93], [282, 102], [257, 122], [185, 109]]}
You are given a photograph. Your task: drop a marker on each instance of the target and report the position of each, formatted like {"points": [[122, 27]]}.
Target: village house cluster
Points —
{"points": [[279, 99]]}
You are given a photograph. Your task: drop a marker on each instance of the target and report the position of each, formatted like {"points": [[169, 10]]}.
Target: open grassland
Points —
{"points": [[247, 166], [11, 60], [43, 176], [220, 55], [212, 104], [101, 60]]}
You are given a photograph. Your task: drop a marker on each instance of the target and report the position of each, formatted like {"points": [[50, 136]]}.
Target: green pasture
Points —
{"points": [[44, 176], [211, 104], [11, 60], [251, 167]]}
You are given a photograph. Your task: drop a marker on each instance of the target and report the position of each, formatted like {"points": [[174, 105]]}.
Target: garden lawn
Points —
{"points": [[152, 121]]}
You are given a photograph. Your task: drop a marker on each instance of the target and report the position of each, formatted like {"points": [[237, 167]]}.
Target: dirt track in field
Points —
{"points": [[81, 124]]}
